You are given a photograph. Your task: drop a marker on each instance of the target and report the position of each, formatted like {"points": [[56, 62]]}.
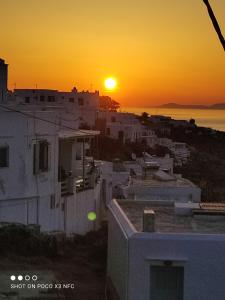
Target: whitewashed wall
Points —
{"points": [[131, 253]]}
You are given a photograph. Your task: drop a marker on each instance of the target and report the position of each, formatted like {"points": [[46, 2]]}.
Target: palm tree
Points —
{"points": [[215, 23]]}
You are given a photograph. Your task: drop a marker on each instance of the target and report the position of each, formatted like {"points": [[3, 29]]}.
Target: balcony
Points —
{"points": [[79, 183]]}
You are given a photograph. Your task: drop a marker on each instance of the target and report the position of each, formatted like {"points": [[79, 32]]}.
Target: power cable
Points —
{"points": [[41, 119]]}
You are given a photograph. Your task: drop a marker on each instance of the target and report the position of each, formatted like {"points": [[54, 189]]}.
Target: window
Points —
{"points": [[4, 157], [80, 101], [107, 131], [113, 119], [71, 100], [121, 135], [166, 282], [42, 98], [27, 99], [51, 98], [52, 202], [41, 157]]}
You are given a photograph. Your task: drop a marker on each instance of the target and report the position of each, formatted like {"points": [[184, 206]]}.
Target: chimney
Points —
{"points": [[149, 220], [3, 80]]}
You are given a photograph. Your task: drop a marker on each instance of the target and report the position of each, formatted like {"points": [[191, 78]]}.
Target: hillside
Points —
{"points": [[193, 106]]}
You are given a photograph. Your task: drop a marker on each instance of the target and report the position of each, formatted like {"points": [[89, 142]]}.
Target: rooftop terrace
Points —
{"points": [[166, 221]]}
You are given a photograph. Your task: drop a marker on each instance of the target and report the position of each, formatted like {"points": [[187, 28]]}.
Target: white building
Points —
{"points": [[165, 163], [155, 254], [162, 187], [79, 107], [157, 184], [125, 127], [180, 150], [118, 117], [44, 176], [152, 178]]}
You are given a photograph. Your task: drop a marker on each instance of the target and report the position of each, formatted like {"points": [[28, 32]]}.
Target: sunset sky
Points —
{"points": [[158, 50]]}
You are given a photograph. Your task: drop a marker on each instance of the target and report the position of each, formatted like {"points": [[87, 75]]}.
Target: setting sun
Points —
{"points": [[110, 83]]}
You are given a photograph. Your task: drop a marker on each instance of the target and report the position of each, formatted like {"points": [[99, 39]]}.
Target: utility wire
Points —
{"points": [[40, 119], [215, 23]]}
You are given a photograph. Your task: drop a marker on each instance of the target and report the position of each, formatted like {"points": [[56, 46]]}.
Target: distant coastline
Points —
{"points": [[192, 106], [206, 117]]}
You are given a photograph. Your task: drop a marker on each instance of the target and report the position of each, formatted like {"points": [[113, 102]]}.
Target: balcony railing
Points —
{"points": [[78, 184]]}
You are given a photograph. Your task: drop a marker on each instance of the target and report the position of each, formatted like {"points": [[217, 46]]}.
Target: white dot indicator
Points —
{"points": [[13, 277], [27, 277], [20, 277], [34, 277]]}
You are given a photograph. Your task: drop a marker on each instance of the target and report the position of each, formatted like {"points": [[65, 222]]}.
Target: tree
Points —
{"points": [[215, 23], [144, 115], [192, 121], [107, 103]]}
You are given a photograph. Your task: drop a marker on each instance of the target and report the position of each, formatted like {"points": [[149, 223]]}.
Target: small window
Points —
{"points": [[107, 131], [42, 98], [51, 98], [80, 101], [52, 202], [41, 157], [113, 119], [71, 100], [27, 99], [4, 157]]}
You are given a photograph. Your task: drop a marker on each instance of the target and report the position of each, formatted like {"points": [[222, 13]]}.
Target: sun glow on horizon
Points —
{"points": [[155, 52], [110, 83]]}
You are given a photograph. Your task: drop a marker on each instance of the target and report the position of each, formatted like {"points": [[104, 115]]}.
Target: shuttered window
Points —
{"points": [[41, 157]]}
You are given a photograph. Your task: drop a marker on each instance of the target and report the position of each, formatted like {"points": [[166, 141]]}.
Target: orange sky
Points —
{"points": [[160, 51]]}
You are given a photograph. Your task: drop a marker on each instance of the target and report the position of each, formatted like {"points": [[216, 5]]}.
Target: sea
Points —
{"points": [[211, 118]]}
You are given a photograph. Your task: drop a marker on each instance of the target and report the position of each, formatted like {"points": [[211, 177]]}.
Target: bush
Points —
{"points": [[25, 240]]}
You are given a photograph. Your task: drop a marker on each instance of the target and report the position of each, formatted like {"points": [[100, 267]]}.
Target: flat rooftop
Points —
{"points": [[76, 133], [153, 182], [166, 221]]}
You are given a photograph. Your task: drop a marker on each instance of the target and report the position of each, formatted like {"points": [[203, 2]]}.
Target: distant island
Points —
{"points": [[193, 106]]}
